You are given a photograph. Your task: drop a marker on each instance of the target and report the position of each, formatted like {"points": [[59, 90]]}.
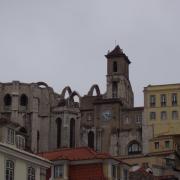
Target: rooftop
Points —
{"points": [[81, 153]]}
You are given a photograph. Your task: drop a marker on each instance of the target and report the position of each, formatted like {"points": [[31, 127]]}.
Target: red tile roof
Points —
{"points": [[81, 153]]}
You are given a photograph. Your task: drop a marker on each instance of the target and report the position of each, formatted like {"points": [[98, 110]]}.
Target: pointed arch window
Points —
{"points": [[72, 133], [7, 100], [59, 129], [23, 100], [91, 139]]}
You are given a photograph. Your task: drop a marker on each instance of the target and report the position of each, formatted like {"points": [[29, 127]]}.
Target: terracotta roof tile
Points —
{"points": [[81, 153]]}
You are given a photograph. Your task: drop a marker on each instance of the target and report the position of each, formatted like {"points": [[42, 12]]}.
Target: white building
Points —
{"points": [[17, 164]]}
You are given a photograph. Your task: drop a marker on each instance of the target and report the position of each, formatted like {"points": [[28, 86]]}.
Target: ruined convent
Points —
{"points": [[37, 119]]}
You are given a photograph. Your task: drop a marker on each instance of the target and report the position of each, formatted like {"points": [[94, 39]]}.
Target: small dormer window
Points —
{"points": [[20, 142], [114, 66], [10, 136]]}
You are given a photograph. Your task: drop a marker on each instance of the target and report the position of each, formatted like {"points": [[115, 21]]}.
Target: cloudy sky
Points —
{"points": [[63, 42]]}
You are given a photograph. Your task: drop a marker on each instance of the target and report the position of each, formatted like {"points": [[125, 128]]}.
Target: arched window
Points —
{"points": [[9, 170], [114, 66], [23, 100], [72, 133], [134, 148], [31, 173], [91, 139], [7, 100], [59, 124]]}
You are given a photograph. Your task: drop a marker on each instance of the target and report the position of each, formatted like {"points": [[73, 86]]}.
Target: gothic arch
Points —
{"points": [[74, 93], [42, 84], [7, 100], [68, 89], [94, 87], [23, 100]]}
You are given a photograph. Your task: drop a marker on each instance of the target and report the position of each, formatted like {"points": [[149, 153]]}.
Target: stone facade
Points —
{"points": [[109, 122], [106, 122]]}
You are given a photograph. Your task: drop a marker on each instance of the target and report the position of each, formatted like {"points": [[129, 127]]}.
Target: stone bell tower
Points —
{"points": [[118, 84]]}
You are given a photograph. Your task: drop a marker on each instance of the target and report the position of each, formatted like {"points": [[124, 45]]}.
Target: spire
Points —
{"points": [[117, 52]]}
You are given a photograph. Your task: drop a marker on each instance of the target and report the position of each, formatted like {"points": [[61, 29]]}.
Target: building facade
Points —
{"points": [[110, 122], [16, 164], [161, 111]]}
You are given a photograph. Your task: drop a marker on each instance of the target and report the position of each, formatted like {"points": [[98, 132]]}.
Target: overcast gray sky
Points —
{"points": [[63, 42]]}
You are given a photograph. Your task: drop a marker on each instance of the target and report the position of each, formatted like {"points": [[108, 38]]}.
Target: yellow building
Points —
{"points": [[161, 130], [161, 112]]}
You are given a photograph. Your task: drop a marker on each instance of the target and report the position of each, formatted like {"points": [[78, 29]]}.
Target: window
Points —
{"points": [[114, 66], [72, 133], [134, 148], [152, 100], [23, 100], [31, 173], [167, 144], [163, 100], [114, 90], [89, 116], [114, 171], [138, 119], [163, 115], [9, 170], [126, 120], [156, 145], [125, 174], [20, 142], [91, 139], [59, 124], [174, 115], [174, 99], [7, 100], [152, 115], [38, 138], [170, 163], [58, 171], [10, 136]]}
